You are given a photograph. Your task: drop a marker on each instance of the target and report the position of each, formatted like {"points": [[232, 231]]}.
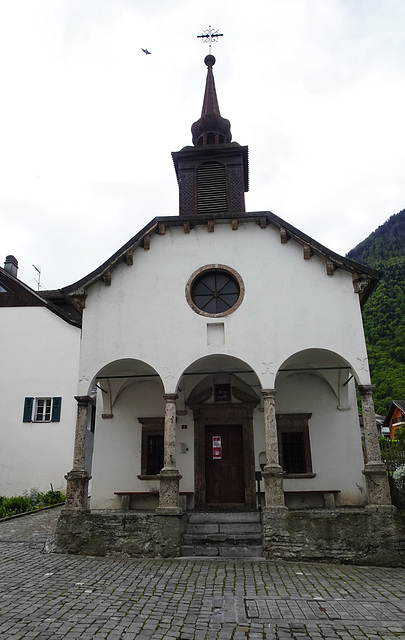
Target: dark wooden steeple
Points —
{"points": [[213, 174]]}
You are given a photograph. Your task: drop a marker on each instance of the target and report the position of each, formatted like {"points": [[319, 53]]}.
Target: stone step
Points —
{"points": [[201, 517], [228, 551], [222, 538], [223, 534], [226, 527]]}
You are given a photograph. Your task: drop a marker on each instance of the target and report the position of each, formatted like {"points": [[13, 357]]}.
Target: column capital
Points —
{"points": [[84, 399], [366, 388], [170, 397], [268, 393]]}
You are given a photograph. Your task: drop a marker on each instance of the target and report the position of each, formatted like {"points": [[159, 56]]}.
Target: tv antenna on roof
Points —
{"points": [[210, 36], [39, 277]]}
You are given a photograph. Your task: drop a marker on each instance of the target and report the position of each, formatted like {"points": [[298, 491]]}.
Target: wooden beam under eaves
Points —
{"points": [[211, 226], [284, 235], [330, 268], [107, 278], [129, 258], [235, 224], [161, 229], [146, 242], [307, 251], [186, 227]]}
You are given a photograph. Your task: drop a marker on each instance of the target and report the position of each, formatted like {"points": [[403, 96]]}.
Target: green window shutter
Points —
{"points": [[28, 404], [56, 405]]}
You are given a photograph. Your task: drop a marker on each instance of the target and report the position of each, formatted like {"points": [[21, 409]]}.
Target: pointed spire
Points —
{"points": [[211, 128]]}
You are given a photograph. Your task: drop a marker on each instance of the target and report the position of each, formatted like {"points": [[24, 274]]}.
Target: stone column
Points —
{"points": [[272, 472], [169, 476], [78, 478], [379, 497]]}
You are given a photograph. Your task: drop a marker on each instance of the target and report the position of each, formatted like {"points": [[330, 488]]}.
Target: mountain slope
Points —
{"points": [[384, 313]]}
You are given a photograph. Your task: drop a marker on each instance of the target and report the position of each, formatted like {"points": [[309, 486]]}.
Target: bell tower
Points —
{"points": [[213, 173]]}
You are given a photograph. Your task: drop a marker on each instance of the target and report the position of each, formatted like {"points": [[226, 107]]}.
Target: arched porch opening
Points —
{"points": [[129, 433], [319, 438], [223, 395]]}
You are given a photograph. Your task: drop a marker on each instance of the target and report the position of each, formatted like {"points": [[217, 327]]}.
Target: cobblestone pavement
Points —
{"points": [[45, 595]]}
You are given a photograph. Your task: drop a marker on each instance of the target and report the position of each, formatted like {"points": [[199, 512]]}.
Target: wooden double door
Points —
{"points": [[224, 464]]}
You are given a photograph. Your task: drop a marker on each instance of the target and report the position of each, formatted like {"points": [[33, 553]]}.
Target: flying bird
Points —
{"points": [[146, 51]]}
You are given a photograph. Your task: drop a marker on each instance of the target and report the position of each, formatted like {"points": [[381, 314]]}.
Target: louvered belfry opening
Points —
{"points": [[211, 188]]}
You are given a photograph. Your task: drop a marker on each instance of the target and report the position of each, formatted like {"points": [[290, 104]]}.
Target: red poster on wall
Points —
{"points": [[216, 448]]}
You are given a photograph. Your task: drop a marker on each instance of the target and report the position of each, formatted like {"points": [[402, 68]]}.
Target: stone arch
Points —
{"points": [[224, 369], [220, 394], [316, 398], [327, 365], [116, 376], [129, 412]]}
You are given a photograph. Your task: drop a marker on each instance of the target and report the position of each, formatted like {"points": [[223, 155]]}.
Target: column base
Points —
{"points": [[272, 475], [379, 495], [77, 498], [169, 493]]}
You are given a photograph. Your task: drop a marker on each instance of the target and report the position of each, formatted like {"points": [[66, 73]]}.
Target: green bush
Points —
{"points": [[28, 502]]}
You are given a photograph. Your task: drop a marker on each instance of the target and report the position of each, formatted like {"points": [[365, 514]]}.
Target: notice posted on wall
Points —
{"points": [[216, 448]]}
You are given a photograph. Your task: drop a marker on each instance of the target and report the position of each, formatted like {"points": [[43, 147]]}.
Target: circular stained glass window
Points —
{"points": [[215, 291]]}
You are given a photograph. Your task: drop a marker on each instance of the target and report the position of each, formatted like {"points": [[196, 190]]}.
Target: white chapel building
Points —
{"points": [[220, 352]]}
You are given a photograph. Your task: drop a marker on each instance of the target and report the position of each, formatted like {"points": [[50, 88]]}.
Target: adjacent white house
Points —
{"points": [[224, 347], [39, 347]]}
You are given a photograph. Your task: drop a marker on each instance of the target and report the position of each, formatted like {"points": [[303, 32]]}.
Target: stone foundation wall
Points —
{"points": [[139, 535], [354, 536]]}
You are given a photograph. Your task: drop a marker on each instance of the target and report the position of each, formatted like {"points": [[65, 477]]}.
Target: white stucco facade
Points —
{"points": [[297, 330], [289, 302], [39, 359]]}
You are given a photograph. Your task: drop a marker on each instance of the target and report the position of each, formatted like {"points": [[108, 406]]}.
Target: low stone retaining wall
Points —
{"points": [[142, 535], [355, 536], [345, 535]]}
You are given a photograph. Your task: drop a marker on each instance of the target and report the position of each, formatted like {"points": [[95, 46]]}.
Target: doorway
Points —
{"points": [[224, 464], [226, 481]]}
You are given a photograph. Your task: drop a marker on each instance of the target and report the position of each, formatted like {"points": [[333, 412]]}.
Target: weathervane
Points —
{"points": [[210, 36]]}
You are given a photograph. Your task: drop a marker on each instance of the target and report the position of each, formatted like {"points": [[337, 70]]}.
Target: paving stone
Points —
{"points": [[64, 597]]}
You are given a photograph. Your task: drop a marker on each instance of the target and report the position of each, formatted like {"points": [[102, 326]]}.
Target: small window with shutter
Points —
{"points": [[42, 409]]}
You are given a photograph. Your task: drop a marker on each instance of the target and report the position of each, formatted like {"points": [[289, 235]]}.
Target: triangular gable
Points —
{"points": [[364, 278], [395, 404]]}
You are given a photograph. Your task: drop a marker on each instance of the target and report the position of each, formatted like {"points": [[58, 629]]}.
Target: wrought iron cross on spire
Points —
{"points": [[210, 36]]}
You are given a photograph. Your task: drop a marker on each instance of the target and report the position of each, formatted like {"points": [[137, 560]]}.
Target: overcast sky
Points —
{"points": [[315, 88]]}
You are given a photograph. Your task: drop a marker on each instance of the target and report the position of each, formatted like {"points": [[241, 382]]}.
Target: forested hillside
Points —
{"points": [[384, 312]]}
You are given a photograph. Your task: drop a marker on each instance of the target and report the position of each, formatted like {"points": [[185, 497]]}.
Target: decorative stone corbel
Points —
{"points": [[107, 278], [284, 235], [235, 224], [129, 258], [211, 226], [79, 300], [330, 268], [360, 283], [161, 229], [308, 252], [186, 227], [146, 243]]}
